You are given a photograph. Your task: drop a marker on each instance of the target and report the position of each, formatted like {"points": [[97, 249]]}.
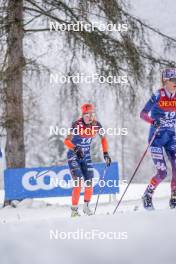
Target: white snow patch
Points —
{"points": [[26, 232]]}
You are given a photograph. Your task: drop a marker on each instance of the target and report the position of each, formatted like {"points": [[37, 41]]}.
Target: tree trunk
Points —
{"points": [[14, 121]]}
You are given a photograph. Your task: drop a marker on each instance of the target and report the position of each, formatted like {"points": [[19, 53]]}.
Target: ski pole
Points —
{"points": [[104, 173], [151, 141]]}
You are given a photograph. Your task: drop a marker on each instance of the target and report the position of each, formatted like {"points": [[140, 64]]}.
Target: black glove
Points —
{"points": [[78, 151], [156, 123], [107, 159], [159, 122]]}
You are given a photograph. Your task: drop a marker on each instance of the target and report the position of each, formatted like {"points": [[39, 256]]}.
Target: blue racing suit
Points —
{"points": [[162, 106], [82, 136]]}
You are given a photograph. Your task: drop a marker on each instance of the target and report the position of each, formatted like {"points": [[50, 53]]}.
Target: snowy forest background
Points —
{"points": [[118, 106]]}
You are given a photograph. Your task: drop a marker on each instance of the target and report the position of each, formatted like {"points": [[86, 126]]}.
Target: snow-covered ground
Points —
{"points": [[60, 206], [42, 231]]}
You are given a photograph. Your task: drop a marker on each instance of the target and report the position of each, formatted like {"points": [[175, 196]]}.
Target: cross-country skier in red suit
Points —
{"points": [[79, 159], [162, 106]]}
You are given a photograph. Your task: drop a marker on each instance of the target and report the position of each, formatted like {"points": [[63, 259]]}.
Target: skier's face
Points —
{"points": [[171, 85], [88, 117]]}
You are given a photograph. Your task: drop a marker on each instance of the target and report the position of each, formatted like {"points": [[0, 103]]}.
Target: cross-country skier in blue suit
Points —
{"points": [[162, 109]]}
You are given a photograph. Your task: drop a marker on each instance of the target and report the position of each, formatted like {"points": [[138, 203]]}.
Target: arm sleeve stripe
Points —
{"points": [[104, 144], [68, 143]]}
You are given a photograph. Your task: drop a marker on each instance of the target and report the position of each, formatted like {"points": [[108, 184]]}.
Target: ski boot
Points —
{"points": [[172, 202], [147, 199], [74, 211], [86, 209], [7, 203]]}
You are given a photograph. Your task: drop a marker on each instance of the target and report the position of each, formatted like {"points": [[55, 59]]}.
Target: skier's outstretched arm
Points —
{"points": [[148, 107], [104, 144], [68, 142], [77, 149]]}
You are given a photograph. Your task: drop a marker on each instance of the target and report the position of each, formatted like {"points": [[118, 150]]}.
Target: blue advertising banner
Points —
{"points": [[55, 181]]}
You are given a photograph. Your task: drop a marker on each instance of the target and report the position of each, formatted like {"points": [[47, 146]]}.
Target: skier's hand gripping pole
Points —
{"points": [[143, 156]]}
